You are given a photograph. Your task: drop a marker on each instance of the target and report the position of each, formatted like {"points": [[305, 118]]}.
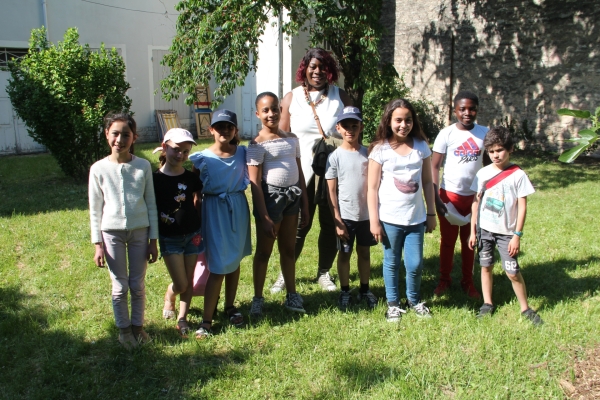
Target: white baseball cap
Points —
{"points": [[176, 135]]}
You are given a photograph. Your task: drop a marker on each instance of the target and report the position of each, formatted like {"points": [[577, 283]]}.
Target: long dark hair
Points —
{"points": [[384, 130], [113, 117], [326, 59]]}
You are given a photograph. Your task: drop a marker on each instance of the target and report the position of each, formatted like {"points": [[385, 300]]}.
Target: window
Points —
{"points": [[7, 54]]}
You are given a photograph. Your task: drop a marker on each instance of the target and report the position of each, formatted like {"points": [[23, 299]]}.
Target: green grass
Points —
{"points": [[58, 337]]}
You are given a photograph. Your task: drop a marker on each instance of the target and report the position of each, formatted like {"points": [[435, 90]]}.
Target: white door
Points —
{"points": [[14, 138], [159, 72]]}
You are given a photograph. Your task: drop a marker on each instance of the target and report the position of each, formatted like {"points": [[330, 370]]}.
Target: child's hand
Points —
{"points": [[514, 246], [440, 207], [341, 232], [430, 223], [377, 231], [152, 252], [472, 241], [304, 217], [99, 255], [269, 227]]}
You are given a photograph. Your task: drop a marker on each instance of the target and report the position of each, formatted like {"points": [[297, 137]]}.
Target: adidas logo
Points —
{"points": [[468, 149]]}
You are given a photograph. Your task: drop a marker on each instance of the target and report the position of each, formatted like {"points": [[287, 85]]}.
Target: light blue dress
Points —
{"points": [[225, 212]]}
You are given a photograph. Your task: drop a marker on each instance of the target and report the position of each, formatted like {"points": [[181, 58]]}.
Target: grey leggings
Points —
{"points": [[122, 248]]}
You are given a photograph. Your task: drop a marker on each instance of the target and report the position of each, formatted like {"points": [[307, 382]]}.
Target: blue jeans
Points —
{"points": [[409, 238]]}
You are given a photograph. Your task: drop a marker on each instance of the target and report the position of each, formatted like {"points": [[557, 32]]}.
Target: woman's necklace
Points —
{"points": [[321, 99]]}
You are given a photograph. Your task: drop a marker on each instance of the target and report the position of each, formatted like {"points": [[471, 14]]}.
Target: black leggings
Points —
{"points": [[327, 243]]}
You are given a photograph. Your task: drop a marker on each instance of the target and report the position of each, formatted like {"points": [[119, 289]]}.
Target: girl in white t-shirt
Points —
{"points": [[399, 173]]}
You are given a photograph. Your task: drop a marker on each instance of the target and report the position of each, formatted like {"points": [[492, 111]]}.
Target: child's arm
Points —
{"points": [[474, 214], [373, 182], [515, 243], [258, 198], [96, 199], [436, 165], [304, 214], [150, 200], [428, 189], [340, 227]]}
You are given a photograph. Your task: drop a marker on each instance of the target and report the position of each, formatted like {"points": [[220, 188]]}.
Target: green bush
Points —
{"points": [[62, 92], [390, 86]]}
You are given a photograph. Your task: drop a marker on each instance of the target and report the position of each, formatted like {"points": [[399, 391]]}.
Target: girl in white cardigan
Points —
{"points": [[124, 224]]}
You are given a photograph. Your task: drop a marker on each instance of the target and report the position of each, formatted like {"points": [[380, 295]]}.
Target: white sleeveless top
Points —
{"points": [[304, 126]]}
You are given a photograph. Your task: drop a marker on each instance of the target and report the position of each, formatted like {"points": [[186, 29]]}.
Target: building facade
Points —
{"points": [[524, 59]]}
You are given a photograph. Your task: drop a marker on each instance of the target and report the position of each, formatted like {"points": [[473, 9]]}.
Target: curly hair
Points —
{"points": [[498, 135], [465, 94], [329, 65], [384, 130]]}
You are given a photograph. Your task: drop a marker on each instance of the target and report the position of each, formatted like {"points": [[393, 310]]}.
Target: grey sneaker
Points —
{"points": [[532, 316], [486, 310], [369, 297], [279, 284], [256, 307], [394, 314], [294, 302], [420, 309], [325, 281], [127, 339], [344, 300]]}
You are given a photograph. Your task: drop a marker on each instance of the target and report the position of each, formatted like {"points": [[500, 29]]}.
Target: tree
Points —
{"points": [[62, 93], [587, 137], [220, 39]]}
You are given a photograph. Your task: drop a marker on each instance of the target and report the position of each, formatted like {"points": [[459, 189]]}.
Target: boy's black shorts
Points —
{"points": [[361, 230], [485, 249]]}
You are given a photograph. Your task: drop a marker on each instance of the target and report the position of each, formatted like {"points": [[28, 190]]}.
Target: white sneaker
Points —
{"points": [[279, 284], [394, 314], [420, 309], [325, 281]]}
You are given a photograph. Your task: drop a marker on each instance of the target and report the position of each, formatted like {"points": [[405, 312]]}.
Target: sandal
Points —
{"points": [[169, 307], [235, 316], [167, 313], [183, 328], [202, 332]]}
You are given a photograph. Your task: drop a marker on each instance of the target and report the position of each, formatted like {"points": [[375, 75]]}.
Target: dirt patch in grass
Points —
{"points": [[584, 382]]}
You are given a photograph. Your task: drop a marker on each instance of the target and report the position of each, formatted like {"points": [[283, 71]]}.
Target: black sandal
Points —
{"points": [[235, 316]]}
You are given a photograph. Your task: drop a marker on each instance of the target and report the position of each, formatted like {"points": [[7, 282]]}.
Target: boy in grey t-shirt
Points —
{"points": [[346, 175]]}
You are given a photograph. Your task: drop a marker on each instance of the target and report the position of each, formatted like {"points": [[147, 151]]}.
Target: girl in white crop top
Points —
{"points": [[278, 191]]}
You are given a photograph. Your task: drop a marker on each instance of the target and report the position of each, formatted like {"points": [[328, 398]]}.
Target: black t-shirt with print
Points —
{"points": [[175, 203]]}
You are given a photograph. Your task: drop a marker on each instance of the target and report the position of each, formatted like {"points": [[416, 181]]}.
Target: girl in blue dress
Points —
{"points": [[225, 215]]}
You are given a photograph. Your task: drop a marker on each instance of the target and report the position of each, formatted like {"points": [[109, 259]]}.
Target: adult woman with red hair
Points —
{"points": [[316, 73]]}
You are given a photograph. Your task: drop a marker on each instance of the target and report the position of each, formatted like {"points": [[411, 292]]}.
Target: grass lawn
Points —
{"points": [[58, 338]]}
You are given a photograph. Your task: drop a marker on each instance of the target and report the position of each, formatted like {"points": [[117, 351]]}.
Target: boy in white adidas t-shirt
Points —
{"points": [[499, 211], [459, 146]]}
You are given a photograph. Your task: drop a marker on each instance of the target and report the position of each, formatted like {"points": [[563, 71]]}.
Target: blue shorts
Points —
{"points": [[183, 244], [280, 201], [361, 230]]}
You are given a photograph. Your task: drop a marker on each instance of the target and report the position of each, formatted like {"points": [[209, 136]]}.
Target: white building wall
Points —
{"points": [[138, 28]]}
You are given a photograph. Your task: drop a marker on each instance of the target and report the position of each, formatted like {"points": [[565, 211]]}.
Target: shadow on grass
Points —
{"points": [[560, 175], [36, 362]]}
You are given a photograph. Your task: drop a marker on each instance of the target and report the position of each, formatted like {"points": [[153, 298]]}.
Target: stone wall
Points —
{"points": [[525, 59]]}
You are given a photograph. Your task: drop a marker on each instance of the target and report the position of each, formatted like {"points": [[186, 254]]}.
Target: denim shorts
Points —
{"points": [[280, 202], [183, 244], [361, 230]]}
